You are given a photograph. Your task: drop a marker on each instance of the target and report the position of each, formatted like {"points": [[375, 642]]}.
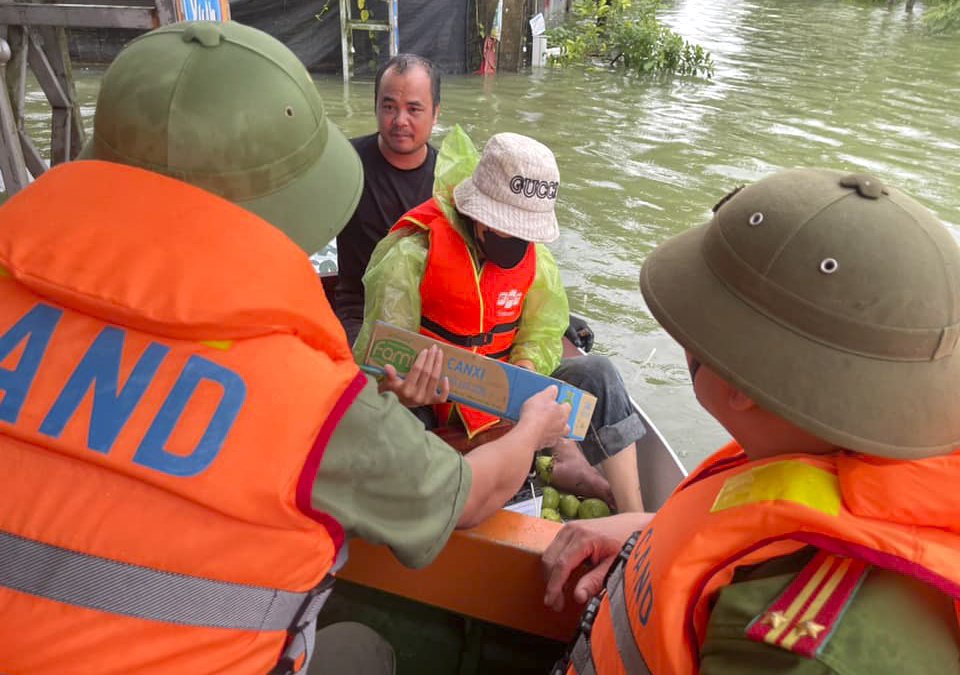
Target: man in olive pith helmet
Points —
{"points": [[186, 443], [820, 314]]}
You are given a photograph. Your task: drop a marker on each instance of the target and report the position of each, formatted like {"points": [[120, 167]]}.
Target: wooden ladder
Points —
{"points": [[348, 24]]}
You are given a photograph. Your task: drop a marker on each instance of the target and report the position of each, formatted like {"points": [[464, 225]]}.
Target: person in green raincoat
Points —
{"points": [[477, 197]]}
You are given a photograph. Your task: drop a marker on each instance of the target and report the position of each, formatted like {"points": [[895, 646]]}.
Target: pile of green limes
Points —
{"points": [[557, 506]]}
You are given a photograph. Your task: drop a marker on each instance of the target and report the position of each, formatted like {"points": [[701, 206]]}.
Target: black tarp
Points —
{"points": [[444, 31]]}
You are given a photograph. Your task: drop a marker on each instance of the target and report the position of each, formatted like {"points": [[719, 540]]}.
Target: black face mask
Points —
{"points": [[505, 252]]}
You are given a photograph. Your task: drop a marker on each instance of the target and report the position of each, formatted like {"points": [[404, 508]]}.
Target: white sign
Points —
{"points": [[537, 25]]}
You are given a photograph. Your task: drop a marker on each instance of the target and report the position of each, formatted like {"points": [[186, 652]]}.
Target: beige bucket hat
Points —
{"points": [[513, 189], [831, 300]]}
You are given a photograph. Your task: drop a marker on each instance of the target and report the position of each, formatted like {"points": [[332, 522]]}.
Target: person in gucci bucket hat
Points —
{"points": [[186, 443], [513, 190], [469, 267], [820, 313]]}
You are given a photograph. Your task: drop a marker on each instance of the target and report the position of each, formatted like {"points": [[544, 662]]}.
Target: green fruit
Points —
{"points": [[569, 505], [551, 514], [551, 498], [593, 508], [544, 466]]}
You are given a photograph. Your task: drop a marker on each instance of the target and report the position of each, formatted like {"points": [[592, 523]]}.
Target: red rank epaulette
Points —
{"points": [[805, 615]]}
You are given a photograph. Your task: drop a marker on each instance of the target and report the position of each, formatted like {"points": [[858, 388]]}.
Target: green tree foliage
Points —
{"points": [[625, 34], [939, 16], [942, 16]]}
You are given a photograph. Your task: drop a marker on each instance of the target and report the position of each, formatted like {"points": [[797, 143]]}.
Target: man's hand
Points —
{"points": [[500, 466], [423, 384], [548, 419], [595, 542]]}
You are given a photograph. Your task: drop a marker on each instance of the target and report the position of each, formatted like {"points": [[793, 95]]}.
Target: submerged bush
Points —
{"points": [[623, 34], [942, 16]]}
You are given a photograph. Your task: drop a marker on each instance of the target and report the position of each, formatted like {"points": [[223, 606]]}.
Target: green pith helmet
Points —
{"points": [[230, 109], [831, 300]]}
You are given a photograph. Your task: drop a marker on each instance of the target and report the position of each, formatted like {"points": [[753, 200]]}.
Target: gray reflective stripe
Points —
{"points": [[626, 642], [581, 658], [107, 585]]}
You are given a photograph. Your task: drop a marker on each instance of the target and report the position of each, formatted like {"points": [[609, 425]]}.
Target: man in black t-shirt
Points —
{"points": [[398, 165]]}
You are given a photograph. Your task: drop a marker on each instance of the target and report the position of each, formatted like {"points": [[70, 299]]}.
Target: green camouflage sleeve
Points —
{"points": [[389, 481], [546, 315]]}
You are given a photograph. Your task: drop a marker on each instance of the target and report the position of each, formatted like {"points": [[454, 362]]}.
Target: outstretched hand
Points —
{"points": [[423, 384]]}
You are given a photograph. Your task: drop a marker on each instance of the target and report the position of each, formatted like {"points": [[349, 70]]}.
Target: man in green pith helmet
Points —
{"points": [[186, 443], [820, 314]]}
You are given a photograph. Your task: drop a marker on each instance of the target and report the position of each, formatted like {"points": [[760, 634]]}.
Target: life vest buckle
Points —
{"points": [[589, 615], [308, 610], [479, 340], [622, 556], [299, 644]]}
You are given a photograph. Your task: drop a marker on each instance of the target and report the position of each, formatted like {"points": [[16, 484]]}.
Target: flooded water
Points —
{"points": [[848, 86]]}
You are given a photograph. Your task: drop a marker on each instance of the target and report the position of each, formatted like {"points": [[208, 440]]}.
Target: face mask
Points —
{"points": [[505, 252]]}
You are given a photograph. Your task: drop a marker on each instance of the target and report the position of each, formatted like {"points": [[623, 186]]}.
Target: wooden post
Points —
{"points": [[512, 35], [346, 40], [58, 55], [61, 124], [17, 71], [17, 91], [12, 165], [392, 19]]}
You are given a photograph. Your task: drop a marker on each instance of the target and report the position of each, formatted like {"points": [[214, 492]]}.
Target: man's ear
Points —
{"points": [[436, 114], [739, 401]]}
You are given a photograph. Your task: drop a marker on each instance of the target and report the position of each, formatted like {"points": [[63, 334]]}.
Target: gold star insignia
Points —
{"points": [[775, 619], [810, 629]]}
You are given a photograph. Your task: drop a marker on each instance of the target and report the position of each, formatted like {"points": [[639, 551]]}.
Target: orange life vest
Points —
{"points": [[652, 616], [171, 373], [480, 312]]}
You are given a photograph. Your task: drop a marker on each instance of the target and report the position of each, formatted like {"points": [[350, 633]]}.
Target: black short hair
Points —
{"points": [[402, 62]]}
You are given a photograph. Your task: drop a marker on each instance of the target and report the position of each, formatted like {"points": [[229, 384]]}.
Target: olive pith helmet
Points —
{"points": [[231, 110], [831, 300]]}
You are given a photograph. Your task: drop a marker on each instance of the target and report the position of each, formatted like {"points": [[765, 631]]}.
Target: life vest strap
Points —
{"points": [[626, 643], [581, 658], [496, 356], [581, 655], [303, 630], [73, 578], [468, 341]]}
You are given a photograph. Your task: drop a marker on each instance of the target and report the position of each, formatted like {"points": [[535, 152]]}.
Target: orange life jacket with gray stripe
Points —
{"points": [[652, 615], [479, 312], [171, 373]]}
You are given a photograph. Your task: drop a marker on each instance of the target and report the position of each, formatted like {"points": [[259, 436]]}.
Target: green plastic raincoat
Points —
{"points": [[392, 280]]}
